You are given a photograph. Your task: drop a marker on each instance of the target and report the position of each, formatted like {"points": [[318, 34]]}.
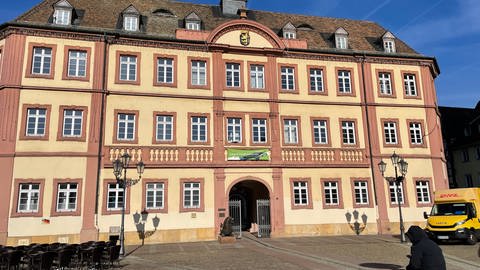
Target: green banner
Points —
{"points": [[248, 154]]}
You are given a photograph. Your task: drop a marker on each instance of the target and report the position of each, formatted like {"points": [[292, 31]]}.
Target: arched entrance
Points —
{"points": [[249, 205]]}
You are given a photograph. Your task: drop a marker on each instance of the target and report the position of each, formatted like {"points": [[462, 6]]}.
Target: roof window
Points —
{"points": [[341, 38], [131, 19], [62, 13], [389, 42], [193, 22], [289, 31]]}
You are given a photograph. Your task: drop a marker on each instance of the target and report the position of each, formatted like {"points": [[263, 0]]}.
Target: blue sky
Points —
{"points": [[446, 29]]}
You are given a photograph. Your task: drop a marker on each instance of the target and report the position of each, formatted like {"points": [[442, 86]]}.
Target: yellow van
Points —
{"points": [[455, 215]]}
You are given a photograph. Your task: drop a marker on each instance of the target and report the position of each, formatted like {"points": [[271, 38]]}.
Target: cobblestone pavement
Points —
{"points": [[328, 252]]}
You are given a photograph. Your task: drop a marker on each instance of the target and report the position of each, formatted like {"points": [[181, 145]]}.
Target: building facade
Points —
{"points": [[286, 115], [461, 134]]}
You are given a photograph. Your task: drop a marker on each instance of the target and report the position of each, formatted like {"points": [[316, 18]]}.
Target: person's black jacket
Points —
{"points": [[425, 254]]}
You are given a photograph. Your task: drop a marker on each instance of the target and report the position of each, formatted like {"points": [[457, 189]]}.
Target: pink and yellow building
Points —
{"points": [[222, 104]]}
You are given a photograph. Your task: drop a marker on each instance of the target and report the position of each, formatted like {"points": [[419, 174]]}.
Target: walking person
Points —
{"points": [[424, 254]]}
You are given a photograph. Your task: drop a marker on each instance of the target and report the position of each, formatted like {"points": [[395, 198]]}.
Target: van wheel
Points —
{"points": [[472, 239]]}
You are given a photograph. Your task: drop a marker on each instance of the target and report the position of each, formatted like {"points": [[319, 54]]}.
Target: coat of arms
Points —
{"points": [[245, 38]]}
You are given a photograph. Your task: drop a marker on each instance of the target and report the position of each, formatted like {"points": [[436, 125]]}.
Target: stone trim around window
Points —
{"points": [[66, 59], [430, 191], [207, 65], [329, 132], [144, 183], [241, 88], [417, 84], [369, 190], [28, 71], [16, 190], [352, 81], [115, 131], [340, 193], [173, 84], [357, 139], [397, 131], [23, 126], [240, 116], [105, 210], [138, 55], [299, 130], [202, 196], [61, 117], [309, 205], [422, 127], [324, 80], [295, 89], [174, 127], [209, 133], [392, 83], [78, 210]]}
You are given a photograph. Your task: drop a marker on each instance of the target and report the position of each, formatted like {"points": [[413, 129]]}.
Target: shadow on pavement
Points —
{"points": [[382, 266]]}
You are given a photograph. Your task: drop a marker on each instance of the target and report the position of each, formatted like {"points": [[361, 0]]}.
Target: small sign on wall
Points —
{"points": [[114, 230], [248, 154]]}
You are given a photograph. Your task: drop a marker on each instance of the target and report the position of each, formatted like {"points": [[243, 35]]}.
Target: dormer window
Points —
{"points": [[289, 31], [193, 22], [341, 39], [131, 19], [63, 13], [389, 42]]}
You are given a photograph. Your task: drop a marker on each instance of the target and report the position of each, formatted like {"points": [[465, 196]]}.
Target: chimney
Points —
{"points": [[231, 7]]}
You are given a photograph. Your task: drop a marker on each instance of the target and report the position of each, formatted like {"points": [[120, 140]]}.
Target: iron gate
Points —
{"points": [[263, 218], [235, 209]]}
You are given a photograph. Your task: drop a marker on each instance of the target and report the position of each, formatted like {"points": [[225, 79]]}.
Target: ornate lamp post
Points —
{"points": [[120, 171], [402, 165]]}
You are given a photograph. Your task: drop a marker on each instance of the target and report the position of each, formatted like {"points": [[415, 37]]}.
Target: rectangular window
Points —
{"points": [[126, 127], [165, 70], [330, 190], [42, 61], [289, 35], [28, 198], [316, 80], [115, 197], [164, 128], [348, 132], [72, 123], [77, 63], [416, 137], [36, 122], [465, 155], [385, 83], [61, 17], [199, 72], [468, 180], [259, 130], [191, 195], [232, 74], [193, 26], [361, 192], [257, 80], [320, 135], [395, 196], [67, 197], [410, 84], [341, 42], [344, 82], [154, 196], [288, 78], [300, 193], [234, 130], [423, 191], [199, 129], [130, 23], [290, 131], [389, 46], [128, 68], [390, 132]]}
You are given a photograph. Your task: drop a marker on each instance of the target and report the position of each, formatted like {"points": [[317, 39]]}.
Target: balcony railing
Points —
{"points": [[204, 156]]}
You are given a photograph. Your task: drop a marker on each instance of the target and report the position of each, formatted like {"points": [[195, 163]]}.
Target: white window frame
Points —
{"points": [[199, 126], [130, 22], [42, 61], [290, 131], [67, 192], [257, 76], [199, 72], [165, 70], [390, 132], [348, 132], [393, 191], [385, 83], [128, 68], [316, 80], [341, 42], [410, 84], [288, 78], [190, 191], [164, 128], [154, 196], [232, 75], [300, 193], [62, 16], [423, 191], [126, 126], [38, 118], [389, 46], [361, 192], [30, 194], [72, 123], [289, 35], [416, 137], [320, 131], [331, 192], [234, 130], [77, 63], [259, 130], [344, 82], [114, 190], [192, 25]]}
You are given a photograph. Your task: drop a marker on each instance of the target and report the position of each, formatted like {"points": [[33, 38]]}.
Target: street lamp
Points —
{"points": [[120, 171], [399, 164]]}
